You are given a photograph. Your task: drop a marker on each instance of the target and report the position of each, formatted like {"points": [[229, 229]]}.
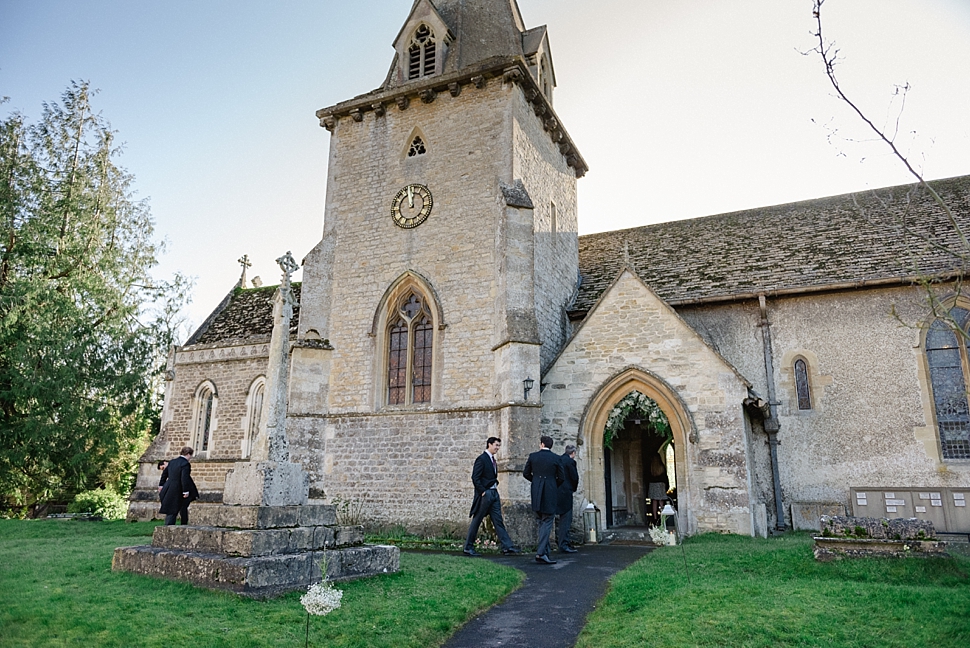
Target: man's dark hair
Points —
{"points": [[492, 440], [161, 464], [546, 441], [187, 450]]}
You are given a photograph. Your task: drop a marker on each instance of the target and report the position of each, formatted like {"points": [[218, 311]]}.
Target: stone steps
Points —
{"points": [[257, 576], [636, 536], [258, 551]]}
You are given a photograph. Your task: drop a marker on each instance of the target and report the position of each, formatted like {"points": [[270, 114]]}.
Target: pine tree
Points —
{"points": [[79, 341]]}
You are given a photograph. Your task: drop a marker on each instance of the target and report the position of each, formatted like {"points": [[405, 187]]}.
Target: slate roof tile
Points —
{"points": [[862, 237], [244, 316]]}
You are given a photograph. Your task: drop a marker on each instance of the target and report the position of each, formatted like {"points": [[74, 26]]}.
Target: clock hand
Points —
{"points": [[410, 197]]}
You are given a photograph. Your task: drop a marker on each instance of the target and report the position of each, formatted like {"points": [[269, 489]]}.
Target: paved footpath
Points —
{"points": [[550, 608]]}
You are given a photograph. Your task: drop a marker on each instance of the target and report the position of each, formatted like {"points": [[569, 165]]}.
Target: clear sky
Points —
{"points": [[681, 108]]}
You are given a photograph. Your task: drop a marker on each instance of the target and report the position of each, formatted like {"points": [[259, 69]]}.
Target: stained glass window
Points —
{"points": [[422, 361], [397, 365], [410, 353], [946, 356], [802, 389]]}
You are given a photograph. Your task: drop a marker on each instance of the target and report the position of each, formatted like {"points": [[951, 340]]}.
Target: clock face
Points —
{"points": [[411, 206]]}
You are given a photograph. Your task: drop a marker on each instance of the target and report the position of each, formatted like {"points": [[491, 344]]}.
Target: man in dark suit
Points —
{"points": [[545, 472], [179, 490], [566, 490], [487, 500]]}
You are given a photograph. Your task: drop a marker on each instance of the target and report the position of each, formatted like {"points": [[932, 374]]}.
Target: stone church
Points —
{"points": [[794, 351]]}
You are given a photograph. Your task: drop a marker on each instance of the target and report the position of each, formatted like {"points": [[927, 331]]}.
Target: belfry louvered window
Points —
{"points": [[422, 53], [410, 352], [946, 356]]}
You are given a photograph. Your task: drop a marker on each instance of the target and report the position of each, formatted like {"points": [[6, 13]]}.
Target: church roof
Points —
{"points": [[874, 237], [245, 315], [881, 237]]}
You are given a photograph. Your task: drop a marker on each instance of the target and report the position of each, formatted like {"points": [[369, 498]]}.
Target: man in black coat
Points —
{"points": [[545, 472], [566, 490], [179, 490], [487, 500]]}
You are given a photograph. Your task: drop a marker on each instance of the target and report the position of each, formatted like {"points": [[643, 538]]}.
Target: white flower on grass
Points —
{"points": [[321, 599]]}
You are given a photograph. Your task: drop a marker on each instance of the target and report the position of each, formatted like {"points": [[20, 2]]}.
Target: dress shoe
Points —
{"points": [[567, 549], [472, 553], [511, 551], [545, 560]]}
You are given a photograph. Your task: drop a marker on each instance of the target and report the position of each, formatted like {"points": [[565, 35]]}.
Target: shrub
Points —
{"points": [[103, 502]]}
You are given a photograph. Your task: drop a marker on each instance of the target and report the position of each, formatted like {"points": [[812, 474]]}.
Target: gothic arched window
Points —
{"points": [[946, 357], [802, 387], [204, 415], [254, 413], [410, 338], [422, 53]]}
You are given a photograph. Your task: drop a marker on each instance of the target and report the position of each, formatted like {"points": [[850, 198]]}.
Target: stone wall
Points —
{"points": [[409, 469], [549, 181], [871, 422], [232, 370]]}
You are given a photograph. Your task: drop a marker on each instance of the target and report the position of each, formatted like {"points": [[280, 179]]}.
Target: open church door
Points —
{"points": [[638, 451]]}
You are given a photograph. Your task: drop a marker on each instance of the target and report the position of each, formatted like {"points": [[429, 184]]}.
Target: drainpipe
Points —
{"points": [[771, 422]]}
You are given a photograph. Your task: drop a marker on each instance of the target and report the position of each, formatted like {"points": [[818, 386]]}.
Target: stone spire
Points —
{"points": [[483, 29]]}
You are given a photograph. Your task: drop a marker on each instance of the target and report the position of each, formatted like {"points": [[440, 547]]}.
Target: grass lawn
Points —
{"points": [[57, 589], [755, 592]]}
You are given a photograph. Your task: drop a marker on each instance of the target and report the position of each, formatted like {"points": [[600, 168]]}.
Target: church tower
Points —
{"points": [[449, 255]]}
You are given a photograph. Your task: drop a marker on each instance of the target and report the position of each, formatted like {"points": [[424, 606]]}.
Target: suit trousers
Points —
{"points": [[545, 530], [562, 531], [183, 513], [491, 505]]}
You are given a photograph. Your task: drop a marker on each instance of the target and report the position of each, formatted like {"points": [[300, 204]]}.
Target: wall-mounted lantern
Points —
{"points": [[527, 383]]}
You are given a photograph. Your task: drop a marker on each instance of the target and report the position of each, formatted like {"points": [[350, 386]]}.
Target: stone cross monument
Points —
{"points": [[264, 539], [269, 478]]}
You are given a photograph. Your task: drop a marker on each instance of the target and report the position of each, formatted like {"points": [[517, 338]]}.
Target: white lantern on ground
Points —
{"points": [[591, 520]]}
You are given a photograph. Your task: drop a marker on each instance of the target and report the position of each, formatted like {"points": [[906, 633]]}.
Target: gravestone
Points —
{"points": [[863, 537], [264, 539]]}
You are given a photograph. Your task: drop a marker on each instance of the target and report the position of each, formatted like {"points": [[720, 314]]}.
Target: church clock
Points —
{"points": [[411, 206]]}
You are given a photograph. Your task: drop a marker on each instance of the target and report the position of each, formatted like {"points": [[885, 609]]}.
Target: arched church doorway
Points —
{"points": [[640, 462], [614, 472]]}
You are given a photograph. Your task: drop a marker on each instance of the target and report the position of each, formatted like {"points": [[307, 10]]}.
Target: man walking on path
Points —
{"points": [[487, 500], [566, 490], [179, 490], [545, 472]]}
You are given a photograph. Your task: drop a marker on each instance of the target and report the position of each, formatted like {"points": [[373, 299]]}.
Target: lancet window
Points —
{"points": [[205, 402], [803, 389], [946, 357], [422, 54], [410, 352], [255, 413]]}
